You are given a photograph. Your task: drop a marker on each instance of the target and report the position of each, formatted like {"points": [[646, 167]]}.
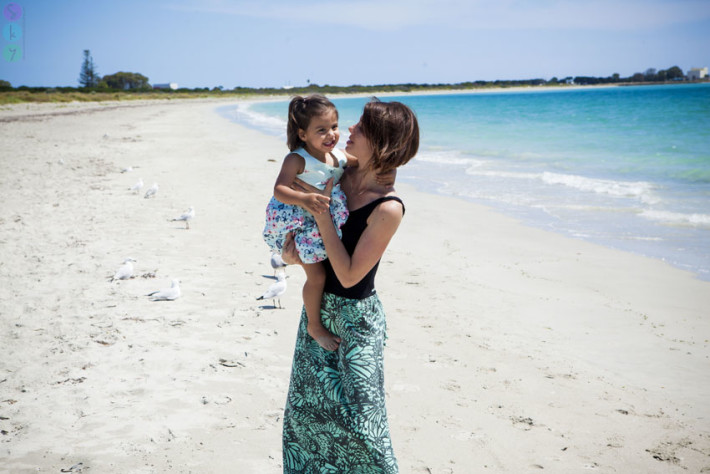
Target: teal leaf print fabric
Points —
{"points": [[335, 419]]}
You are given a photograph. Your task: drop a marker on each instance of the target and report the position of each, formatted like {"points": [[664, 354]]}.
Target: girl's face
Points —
{"points": [[322, 134], [359, 146]]}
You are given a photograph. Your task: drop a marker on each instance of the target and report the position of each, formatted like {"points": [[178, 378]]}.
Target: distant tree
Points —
{"points": [[650, 75], [662, 75], [126, 81], [638, 77], [615, 77], [88, 77], [674, 73], [5, 83], [585, 80]]}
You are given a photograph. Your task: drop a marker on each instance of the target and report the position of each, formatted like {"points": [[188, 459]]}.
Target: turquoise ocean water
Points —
{"points": [[626, 167]]}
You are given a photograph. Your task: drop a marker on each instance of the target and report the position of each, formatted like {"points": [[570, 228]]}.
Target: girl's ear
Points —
{"points": [[302, 135]]}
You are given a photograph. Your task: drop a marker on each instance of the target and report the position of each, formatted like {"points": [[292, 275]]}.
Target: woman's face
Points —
{"points": [[359, 145]]}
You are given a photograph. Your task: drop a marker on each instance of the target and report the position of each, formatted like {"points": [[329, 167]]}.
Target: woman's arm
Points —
{"points": [[381, 226], [284, 191]]}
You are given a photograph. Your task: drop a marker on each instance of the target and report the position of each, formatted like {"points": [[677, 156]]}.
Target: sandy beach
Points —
{"points": [[510, 349]]}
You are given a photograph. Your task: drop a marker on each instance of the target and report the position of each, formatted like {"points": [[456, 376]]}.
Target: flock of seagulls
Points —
{"points": [[125, 271]]}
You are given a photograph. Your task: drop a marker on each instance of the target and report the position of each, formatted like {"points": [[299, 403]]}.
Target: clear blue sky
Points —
{"points": [[272, 43]]}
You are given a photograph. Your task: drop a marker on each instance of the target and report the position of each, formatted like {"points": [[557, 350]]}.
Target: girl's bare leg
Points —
{"points": [[312, 296]]}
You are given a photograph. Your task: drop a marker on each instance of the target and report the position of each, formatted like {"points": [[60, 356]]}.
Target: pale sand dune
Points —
{"points": [[511, 349]]}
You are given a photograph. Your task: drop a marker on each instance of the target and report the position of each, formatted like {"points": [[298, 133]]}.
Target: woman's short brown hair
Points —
{"points": [[393, 132], [300, 112]]}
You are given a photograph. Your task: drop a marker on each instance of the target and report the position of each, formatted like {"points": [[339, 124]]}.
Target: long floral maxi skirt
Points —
{"points": [[335, 419]]}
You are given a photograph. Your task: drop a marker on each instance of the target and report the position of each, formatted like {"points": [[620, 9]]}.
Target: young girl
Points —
{"points": [[312, 134]]}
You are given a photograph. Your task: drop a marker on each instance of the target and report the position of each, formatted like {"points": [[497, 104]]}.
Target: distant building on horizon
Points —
{"points": [[169, 85], [697, 73]]}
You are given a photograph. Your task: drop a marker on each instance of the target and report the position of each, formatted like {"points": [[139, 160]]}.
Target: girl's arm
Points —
{"points": [[293, 165], [352, 159], [382, 225]]}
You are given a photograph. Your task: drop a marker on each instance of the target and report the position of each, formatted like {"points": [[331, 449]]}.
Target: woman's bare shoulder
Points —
{"points": [[390, 208]]}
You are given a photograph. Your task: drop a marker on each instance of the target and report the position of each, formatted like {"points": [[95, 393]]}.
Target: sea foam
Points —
{"points": [[631, 189], [677, 218]]}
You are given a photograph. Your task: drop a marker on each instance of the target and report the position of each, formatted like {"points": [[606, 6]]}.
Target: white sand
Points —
{"points": [[511, 349]]}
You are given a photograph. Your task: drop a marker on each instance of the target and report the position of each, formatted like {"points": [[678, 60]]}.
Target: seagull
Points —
{"points": [[125, 271], [277, 263], [276, 290], [136, 188], [151, 191], [167, 294], [186, 216]]}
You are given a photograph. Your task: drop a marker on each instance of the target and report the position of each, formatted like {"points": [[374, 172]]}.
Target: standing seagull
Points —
{"points": [[276, 290], [167, 294], [186, 216], [277, 263], [152, 191], [125, 271], [136, 188]]}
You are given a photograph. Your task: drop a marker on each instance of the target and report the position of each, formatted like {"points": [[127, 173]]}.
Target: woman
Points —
{"points": [[335, 418]]}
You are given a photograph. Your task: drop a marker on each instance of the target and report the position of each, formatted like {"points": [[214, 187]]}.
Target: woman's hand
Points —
{"points": [[289, 254]]}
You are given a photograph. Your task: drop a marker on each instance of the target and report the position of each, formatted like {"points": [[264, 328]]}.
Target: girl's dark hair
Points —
{"points": [[393, 132], [300, 112]]}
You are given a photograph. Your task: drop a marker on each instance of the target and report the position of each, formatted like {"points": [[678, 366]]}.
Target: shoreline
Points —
{"points": [[692, 259], [285, 96], [510, 348]]}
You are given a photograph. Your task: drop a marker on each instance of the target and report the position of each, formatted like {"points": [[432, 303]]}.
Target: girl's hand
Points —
{"points": [[289, 254], [317, 201]]}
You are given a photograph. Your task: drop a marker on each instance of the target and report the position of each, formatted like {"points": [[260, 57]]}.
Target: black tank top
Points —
{"points": [[352, 230]]}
